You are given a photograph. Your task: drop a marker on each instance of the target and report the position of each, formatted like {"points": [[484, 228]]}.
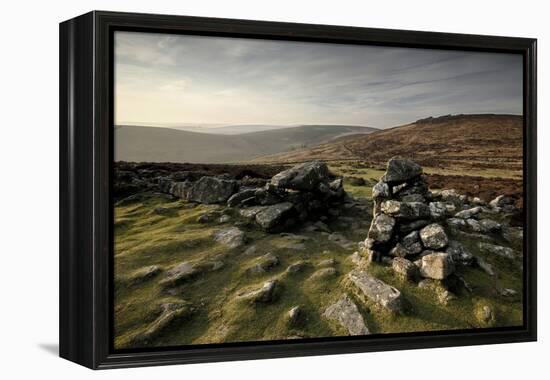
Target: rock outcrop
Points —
{"points": [[294, 315], [263, 294], [272, 216], [375, 291], [143, 274], [187, 270], [263, 264], [208, 190], [171, 313], [346, 314], [306, 191], [231, 237], [303, 177], [498, 250]]}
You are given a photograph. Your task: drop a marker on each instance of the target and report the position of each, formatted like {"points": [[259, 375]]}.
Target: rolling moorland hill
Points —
{"points": [[478, 155], [147, 144], [455, 143]]}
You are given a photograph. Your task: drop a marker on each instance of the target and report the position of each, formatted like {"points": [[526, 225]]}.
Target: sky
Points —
{"points": [[163, 79]]}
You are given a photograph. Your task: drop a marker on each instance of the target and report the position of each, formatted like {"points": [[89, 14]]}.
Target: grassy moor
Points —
{"points": [[332, 232]]}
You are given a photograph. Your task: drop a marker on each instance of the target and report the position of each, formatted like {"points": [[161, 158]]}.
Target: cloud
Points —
{"points": [[195, 79], [175, 85]]}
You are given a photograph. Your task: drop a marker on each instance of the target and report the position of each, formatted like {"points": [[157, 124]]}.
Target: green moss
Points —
{"points": [[150, 239]]}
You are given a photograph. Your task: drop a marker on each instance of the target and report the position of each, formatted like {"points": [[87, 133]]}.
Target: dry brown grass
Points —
{"points": [[476, 143]]}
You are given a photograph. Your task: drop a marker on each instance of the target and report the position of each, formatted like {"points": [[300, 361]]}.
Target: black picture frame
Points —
{"points": [[86, 142]]}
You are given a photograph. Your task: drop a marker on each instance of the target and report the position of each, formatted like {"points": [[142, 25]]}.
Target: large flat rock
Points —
{"points": [[211, 190], [498, 250], [231, 237], [401, 170], [346, 313], [302, 177], [270, 217], [371, 289]]}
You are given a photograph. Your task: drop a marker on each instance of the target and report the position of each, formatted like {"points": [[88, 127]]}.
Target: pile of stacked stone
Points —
{"points": [[406, 228], [306, 191]]}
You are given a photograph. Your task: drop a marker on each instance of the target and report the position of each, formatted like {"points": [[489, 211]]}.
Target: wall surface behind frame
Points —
{"points": [[29, 190]]}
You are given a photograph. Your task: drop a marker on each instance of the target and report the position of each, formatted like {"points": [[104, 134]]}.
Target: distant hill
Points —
{"points": [[225, 129], [454, 141], [154, 144]]}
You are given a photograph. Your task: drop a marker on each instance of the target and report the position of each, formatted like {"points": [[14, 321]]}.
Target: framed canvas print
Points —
{"points": [[237, 189]]}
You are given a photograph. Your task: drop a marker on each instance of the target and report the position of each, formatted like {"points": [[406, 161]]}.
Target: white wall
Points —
{"points": [[29, 188]]}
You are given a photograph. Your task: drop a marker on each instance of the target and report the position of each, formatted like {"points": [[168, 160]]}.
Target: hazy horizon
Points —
{"points": [[181, 82], [235, 129], [228, 129]]}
